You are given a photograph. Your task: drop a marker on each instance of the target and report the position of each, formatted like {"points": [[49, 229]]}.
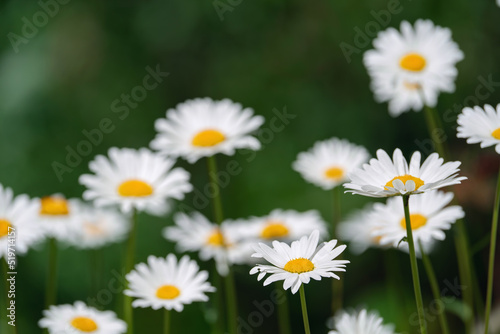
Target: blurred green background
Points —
{"points": [[268, 55]]}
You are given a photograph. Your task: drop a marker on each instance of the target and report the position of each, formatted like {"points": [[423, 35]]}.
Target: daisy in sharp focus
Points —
{"points": [[410, 67], [203, 127], [328, 162], [223, 243], [57, 216], [168, 283], [297, 263], [284, 225], [480, 125], [98, 227], [383, 177], [80, 318], [429, 215], [362, 322], [18, 216], [135, 179]]}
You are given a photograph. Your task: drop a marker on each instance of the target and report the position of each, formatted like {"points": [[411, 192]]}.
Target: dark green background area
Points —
{"points": [[269, 55]]}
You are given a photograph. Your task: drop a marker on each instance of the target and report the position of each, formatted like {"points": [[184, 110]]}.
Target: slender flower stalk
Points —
{"points": [[129, 265], [434, 287], [283, 311], [304, 310], [491, 266], [166, 321], [96, 270], [337, 287], [433, 126], [462, 245], [51, 288], [5, 290], [229, 285], [414, 266]]}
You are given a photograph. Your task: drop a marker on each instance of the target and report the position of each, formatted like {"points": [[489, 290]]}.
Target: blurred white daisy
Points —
{"points": [[480, 125], [328, 162], [415, 64], [58, 215], [358, 230], [98, 227], [284, 225], [168, 283], [429, 216], [362, 322], [80, 318], [297, 263], [203, 127], [135, 179], [195, 233], [383, 177], [18, 216]]}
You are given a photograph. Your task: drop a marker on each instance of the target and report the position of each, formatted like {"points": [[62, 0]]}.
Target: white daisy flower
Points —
{"points": [[135, 179], [80, 318], [383, 177], [297, 263], [429, 216], [410, 68], [360, 322], [57, 216], [166, 283], [358, 230], [328, 162], [18, 216], [284, 225], [98, 227], [195, 233], [480, 125], [203, 127]]}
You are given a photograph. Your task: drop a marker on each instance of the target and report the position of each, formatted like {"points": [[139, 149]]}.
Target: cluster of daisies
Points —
{"points": [[409, 68]]}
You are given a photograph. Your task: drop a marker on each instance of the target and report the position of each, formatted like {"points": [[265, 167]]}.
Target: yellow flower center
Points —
{"points": [[334, 173], [274, 230], [167, 292], [376, 240], [216, 239], [413, 62], [135, 188], [412, 85], [417, 221], [84, 324], [404, 179], [93, 229], [4, 227], [55, 206], [208, 138], [496, 134], [299, 266]]}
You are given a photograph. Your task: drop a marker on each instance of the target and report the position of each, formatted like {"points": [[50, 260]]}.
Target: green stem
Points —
{"points": [[414, 266], [96, 270], [5, 290], [231, 302], [304, 309], [435, 288], [491, 266], [434, 128], [230, 291], [216, 200], [219, 301], [283, 311], [166, 321], [337, 286], [128, 314], [462, 246], [51, 288]]}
